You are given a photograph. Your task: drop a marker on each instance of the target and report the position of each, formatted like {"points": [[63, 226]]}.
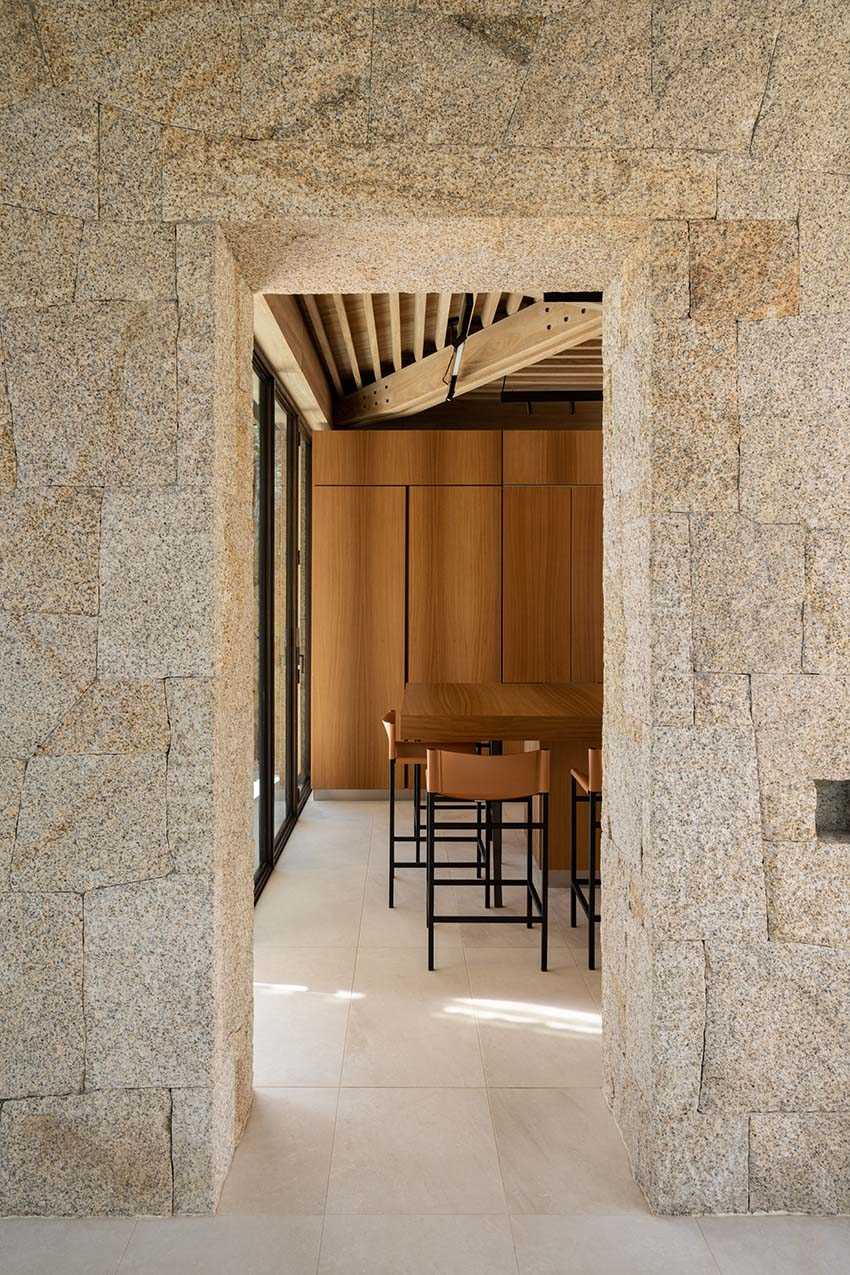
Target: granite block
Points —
{"points": [[777, 1034], [191, 792], [156, 616], [110, 398], [87, 822], [86, 1154], [149, 1002], [756, 189], [49, 543], [38, 258], [113, 717], [48, 153], [197, 1124], [696, 1164], [808, 891], [11, 783], [23, 68], [722, 699], [669, 276], [744, 270], [803, 118], [41, 1005], [127, 261], [693, 401], [826, 618], [8, 459], [588, 81], [130, 167], [825, 245], [703, 860], [46, 662], [748, 582], [709, 66], [174, 63], [282, 94], [208, 179], [800, 1163]]}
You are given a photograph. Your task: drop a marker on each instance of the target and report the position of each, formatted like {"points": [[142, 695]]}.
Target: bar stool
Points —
{"points": [[591, 786], [491, 780], [412, 754]]}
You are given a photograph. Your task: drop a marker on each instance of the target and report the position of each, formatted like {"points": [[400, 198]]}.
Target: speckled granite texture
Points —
{"points": [[157, 163]]}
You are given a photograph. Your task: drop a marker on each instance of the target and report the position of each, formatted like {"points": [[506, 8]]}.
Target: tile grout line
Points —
{"points": [[123, 1253]]}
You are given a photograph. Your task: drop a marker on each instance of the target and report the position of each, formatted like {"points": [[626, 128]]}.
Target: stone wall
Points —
{"points": [[691, 160]]}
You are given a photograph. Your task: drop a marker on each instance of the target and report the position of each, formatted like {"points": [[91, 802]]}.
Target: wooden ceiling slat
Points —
{"points": [[372, 335], [513, 302], [347, 339], [419, 302], [321, 338], [489, 306], [395, 330], [441, 319]]}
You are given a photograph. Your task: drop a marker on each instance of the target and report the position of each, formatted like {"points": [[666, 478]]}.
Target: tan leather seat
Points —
{"points": [[477, 778], [411, 752], [592, 781]]}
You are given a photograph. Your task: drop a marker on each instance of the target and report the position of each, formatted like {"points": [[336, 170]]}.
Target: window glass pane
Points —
{"points": [[258, 719], [302, 614], [280, 618]]}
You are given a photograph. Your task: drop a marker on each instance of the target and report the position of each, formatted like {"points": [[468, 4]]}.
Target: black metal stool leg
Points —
{"points": [[528, 864], [573, 850], [488, 845], [429, 870], [392, 831], [417, 822], [591, 881], [479, 853], [544, 882]]}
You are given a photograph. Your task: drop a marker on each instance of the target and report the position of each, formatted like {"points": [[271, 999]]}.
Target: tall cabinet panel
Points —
{"points": [[536, 582], [454, 584], [358, 627], [587, 585]]}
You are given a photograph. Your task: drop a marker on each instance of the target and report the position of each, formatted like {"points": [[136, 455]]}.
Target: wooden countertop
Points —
{"points": [[551, 712]]}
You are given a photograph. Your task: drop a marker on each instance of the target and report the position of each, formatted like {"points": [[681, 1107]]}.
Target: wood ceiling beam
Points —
{"points": [[489, 306], [395, 329], [284, 338], [419, 299], [441, 319], [513, 302], [372, 335], [532, 334], [347, 338], [321, 338]]}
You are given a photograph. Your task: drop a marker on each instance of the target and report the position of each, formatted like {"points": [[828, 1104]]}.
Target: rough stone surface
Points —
{"points": [[11, 783], [795, 430], [190, 772], [669, 277], [130, 167], [808, 892], [178, 64], [8, 459], [38, 258], [672, 697], [777, 1034], [41, 1005], [46, 662], [704, 876], [722, 699], [113, 717], [148, 984], [826, 619], [49, 545], [749, 189], [87, 822], [127, 261], [748, 595], [23, 69], [802, 726], [697, 1164], [48, 154], [84, 1154], [744, 269], [281, 94], [825, 246], [110, 398], [695, 421], [156, 576], [800, 1163]]}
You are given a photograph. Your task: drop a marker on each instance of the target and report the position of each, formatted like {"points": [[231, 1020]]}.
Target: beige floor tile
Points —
{"points": [[328, 846], [301, 1002], [561, 1153], [403, 1028], [311, 909], [414, 1151], [223, 1246], [779, 1245], [281, 1164], [536, 1029], [404, 924], [610, 1246], [74, 1246], [417, 1246]]}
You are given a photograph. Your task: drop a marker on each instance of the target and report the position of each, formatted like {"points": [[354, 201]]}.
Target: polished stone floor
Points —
{"points": [[408, 1123]]}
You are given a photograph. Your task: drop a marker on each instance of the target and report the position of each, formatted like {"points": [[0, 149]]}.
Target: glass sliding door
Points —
{"points": [[281, 511]]}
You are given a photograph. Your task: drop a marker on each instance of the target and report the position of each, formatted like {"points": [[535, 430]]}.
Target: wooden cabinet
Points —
{"points": [[358, 631], [586, 586], [536, 633], [552, 456], [454, 584], [407, 457]]}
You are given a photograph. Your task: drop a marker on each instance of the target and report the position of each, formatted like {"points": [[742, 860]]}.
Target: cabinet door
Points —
{"points": [[358, 631], [454, 584], [536, 617], [587, 585], [553, 456]]}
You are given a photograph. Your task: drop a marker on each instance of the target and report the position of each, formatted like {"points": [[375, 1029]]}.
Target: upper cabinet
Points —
{"points": [[407, 457], [571, 456], [536, 634]]}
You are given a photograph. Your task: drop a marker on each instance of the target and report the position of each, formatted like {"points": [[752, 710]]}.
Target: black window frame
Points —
{"points": [[272, 394]]}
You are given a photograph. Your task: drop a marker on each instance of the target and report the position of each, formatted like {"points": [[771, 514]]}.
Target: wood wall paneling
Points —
{"points": [[552, 456], [586, 606], [407, 457], [536, 582], [358, 631], [454, 584]]}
